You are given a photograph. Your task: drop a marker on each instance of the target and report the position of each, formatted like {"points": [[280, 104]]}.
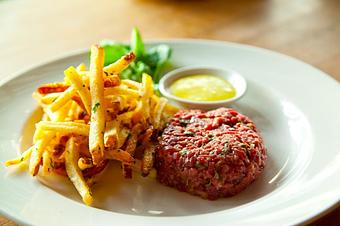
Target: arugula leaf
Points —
{"points": [[151, 61], [158, 57], [113, 51], [137, 45]]}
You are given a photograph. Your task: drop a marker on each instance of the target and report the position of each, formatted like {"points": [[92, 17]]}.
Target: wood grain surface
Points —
{"points": [[33, 31]]}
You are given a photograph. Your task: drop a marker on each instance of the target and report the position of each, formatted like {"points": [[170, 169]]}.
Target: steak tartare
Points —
{"points": [[211, 154]]}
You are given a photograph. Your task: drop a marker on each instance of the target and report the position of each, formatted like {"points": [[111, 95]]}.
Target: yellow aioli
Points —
{"points": [[203, 87]]}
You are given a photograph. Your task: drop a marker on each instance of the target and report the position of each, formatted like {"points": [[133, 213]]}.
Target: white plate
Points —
{"points": [[295, 106]]}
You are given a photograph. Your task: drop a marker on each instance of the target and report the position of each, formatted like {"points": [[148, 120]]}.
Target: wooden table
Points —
{"points": [[33, 31]]}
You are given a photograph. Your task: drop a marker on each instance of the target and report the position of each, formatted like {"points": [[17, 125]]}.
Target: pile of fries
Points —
{"points": [[93, 117]]}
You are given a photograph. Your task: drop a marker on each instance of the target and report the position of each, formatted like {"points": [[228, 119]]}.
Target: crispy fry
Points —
{"points": [[74, 173], [51, 115], [71, 111], [81, 67], [131, 84], [148, 159], [82, 89], [137, 166], [52, 88], [78, 100], [49, 98], [120, 155], [131, 144], [111, 134], [133, 138], [46, 165], [115, 135], [142, 111], [137, 114], [84, 163], [64, 127], [37, 153], [118, 90], [170, 109], [22, 158], [97, 124], [147, 86], [147, 135], [123, 134], [130, 148], [158, 112], [117, 102], [111, 81], [120, 65], [38, 134], [63, 99], [125, 117], [62, 113]]}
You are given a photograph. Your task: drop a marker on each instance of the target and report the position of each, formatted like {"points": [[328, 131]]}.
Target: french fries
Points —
{"points": [[97, 124], [62, 99], [82, 89], [121, 91], [120, 64], [81, 67], [93, 117], [20, 159], [157, 114], [131, 84], [148, 159], [119, 155], [46, 166], [52, 88], [130, 148], [49, 98], [37, 152], [65, 127], [74, 173], [111, 134], [111, 81], [84, 163]]}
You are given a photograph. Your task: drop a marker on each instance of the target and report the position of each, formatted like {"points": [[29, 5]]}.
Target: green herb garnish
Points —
{"points": [[190, 134], [243, 145], [225, 148], [210, 137], [137, 45], [148, 60], [183, 152], [95, 107], [183, 122]]}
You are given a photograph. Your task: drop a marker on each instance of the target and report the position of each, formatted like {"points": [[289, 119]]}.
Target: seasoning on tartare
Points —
{"points": [[203, 87]]}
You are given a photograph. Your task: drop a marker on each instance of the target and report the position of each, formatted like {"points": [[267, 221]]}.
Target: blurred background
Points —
{"points": [[33, 31]]}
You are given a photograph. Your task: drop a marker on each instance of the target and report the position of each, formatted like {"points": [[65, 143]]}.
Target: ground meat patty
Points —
{"points": [[211, 154]]}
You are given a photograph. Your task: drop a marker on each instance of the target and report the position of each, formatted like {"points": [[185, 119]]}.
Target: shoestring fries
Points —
{"points": [[93, 117]]}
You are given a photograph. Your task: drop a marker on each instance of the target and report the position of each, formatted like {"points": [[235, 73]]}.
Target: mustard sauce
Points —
{"points": [[203, 87]]}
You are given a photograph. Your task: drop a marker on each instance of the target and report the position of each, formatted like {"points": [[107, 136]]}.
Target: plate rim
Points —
{"points": [[80, 51], [309, 218]]}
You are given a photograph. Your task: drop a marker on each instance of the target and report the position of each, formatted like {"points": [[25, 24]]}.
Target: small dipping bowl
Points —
{"points": [[234, 78]]}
